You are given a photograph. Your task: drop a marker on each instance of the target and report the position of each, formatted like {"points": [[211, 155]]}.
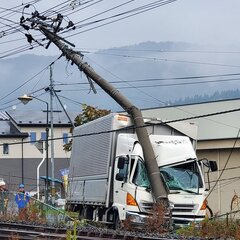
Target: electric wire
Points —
{"points": [[156, 99], [17, 102], [73, 101], [170, 60], [113, 21], [200, 116], [151, 85], [122, 49], [90, 5], [108, 10], [143, 7], [54, 8], [146, 94], [27, 81], [220, 175], [69, 11], [145, 125], [12, 10], [20, 50]]}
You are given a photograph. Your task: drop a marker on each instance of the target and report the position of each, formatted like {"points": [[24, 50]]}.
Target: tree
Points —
{"points": [[89, 113]]}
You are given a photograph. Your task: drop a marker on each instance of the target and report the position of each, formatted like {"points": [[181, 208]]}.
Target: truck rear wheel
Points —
{"points": [[88, 213]]}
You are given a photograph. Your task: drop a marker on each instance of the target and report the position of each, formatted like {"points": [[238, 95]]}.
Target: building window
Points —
{"points": [[65, 138], [43, 136], [5, 148], [33, 137]]}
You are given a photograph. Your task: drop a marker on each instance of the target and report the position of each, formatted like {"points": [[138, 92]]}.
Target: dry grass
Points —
{"points": [[159, 221], [128, 225], [214, 229]]}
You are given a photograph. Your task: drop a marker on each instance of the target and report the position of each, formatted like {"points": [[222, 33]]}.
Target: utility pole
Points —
{"points": [[158, 187], [51, 90]]}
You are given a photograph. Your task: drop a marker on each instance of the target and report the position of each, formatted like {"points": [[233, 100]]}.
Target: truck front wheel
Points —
{"points": [[117, 222]]}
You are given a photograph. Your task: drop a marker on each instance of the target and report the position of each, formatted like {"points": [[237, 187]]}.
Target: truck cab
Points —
{"points": [[180, 170]]}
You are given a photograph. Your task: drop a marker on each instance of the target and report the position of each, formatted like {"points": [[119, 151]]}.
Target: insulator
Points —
{"points": [[70, 24], [22, 19], [35, 14]]}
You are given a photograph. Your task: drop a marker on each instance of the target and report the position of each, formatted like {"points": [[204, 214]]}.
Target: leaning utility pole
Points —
{"points": [[158, 187]]}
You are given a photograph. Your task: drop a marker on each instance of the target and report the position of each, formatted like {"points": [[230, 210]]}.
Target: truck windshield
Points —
{"points": [[183, 177]]}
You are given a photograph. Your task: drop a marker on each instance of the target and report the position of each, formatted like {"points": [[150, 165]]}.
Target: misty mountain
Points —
{"points": [[216, 96], [150, 74]]}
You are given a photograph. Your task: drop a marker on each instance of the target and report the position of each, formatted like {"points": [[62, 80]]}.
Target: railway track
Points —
{"points": [[18, 231]]}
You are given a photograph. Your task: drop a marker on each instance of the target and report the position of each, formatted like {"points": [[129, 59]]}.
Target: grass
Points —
{"points": [[214, 229]]}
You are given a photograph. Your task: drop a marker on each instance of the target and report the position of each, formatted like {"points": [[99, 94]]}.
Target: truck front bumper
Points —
{"points": [[136, 218]]}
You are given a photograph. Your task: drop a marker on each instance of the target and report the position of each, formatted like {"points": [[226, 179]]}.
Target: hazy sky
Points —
{"points": [[205, 22], [210, 24], [196, 21]]}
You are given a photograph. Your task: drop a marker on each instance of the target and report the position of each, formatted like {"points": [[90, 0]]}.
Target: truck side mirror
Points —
{"points": [[213, 166], [121, 162], [120, 176]]}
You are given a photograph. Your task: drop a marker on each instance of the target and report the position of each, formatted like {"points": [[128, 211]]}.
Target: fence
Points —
{"points": [[35, 212]]}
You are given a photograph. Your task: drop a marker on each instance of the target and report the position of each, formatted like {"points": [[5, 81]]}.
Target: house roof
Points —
{"points": [[222, 126], [7, 129], [39, 118]]}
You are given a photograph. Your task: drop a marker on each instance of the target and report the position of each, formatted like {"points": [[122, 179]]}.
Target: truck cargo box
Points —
{"points": [[90, 164]]}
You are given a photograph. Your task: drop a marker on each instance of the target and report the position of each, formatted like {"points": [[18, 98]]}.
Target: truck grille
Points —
{"points": [[182, 214], [183, 208], [147, 207]]}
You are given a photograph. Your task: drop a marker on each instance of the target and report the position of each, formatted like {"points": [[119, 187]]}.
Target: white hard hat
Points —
{"points": [[2, 183]]}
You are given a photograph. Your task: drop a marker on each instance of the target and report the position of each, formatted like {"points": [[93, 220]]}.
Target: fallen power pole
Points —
{"points": [[158, 187]]}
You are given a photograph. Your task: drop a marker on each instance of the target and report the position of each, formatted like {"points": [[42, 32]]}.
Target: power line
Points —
{"points": [[121, 18], [84, 7], [122, 49], [55, 8], [153, 85], [108, 10], [235, 142], [169, 60], [80, 7], [121, 80], [137, 10], [145, 125], [73, 101], [27, 81], [18, 50]]}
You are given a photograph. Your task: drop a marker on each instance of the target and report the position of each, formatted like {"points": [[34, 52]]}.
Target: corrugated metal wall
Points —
{"points": [[91, 154]]}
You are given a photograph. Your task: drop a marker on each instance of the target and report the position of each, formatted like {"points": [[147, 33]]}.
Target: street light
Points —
{"points": [[25, 99]]}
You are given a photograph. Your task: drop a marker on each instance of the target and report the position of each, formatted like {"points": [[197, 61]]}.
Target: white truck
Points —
{"points": [[108, 181]]}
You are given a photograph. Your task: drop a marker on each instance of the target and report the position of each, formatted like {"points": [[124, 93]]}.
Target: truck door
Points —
{"points": [[140, 180], [123, 169]]}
